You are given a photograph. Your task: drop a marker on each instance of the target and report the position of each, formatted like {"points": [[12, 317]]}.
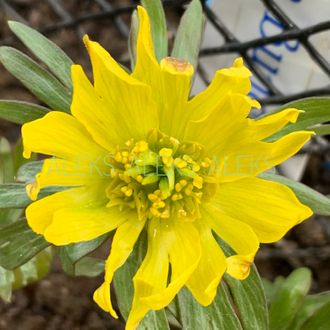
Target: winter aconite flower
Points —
{"points": [[138, 153]]}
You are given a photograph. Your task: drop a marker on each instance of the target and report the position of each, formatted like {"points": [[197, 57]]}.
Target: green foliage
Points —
{"points": [[75, 263], [38, 80], [158, 26], [20, 112], [290, 308], [32, 271], [54, 57], [189, 35]]}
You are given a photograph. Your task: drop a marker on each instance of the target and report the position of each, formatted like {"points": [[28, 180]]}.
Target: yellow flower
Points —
{"points": [[138, 153]]}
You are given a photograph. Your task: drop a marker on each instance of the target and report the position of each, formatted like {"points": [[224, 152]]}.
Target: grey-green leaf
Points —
{"points": [[133, 35], [20, 112], [220, 314], [13, 195], [189, 35], [289, 299], [18, 244], [89, 266], [49, 53], [72, 253], [28, 171], [316, 201], [158, 26], [39, 81], [317, 111], [320, 320]]}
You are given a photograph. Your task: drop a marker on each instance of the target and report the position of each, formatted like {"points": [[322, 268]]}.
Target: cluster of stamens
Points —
{"points": [[160, 177]]}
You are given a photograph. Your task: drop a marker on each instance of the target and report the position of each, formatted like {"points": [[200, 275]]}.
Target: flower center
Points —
{"points": [[160, 177]]}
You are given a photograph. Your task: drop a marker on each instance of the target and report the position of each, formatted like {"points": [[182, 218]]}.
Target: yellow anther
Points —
{"points": [[176, 197], [180, 163], [159, 205], [157, 192], [198, 182], [129, 143], [128, 192], [124, 189], [206, 163], [165, 214], [139, 178], [154, 212], [165, 152], [182, 213], [178, 187], [167, 161], [125, 154], [140, 146], [196, 167], [118, 157], [189, 189], [124, 160], [187, 158], [127, 166], [183, 182], [153, 197]]}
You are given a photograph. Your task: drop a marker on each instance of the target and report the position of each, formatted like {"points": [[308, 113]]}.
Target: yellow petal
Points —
{"points": [[181, 244], [59, 172], [72, 225], [261, 128], [217, 129], [254, 158], [146, 63], [170, 81], [152, 274], [94, 112], [122, 245], [40, 213], [204, 281], [269, 208], [232, 80], [61, 135], [128, 99], [238, 235]]}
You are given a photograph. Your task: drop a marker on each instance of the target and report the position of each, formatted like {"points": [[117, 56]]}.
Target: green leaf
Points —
{"points": [[6, 161], [72, 253], [20, 112], [320, 320], [289, 299], [317, 111], [39, 81], [219, 315], [89, 266], [13, 195], [34, 270], [18, 244], [310, 306], [321, 130], [49, 53], [7, 279], [158, 26], [132, 40], [124, 289], [316, 201], [28, 171], [189, 35]]}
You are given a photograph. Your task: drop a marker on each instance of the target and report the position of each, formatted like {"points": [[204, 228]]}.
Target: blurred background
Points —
{"points": [[286, 44]]}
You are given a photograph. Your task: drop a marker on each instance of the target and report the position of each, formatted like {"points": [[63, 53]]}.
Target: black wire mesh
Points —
{"points": [[112, 12]]}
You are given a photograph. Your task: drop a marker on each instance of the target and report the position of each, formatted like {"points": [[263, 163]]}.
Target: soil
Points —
{"points": [[61, 302]]}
